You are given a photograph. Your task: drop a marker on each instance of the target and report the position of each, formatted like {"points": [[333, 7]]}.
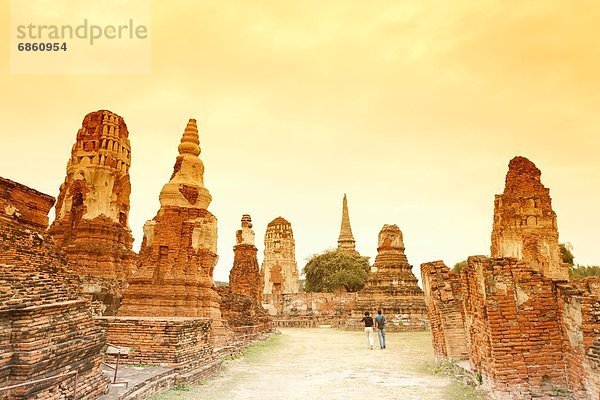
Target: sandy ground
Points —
{"points": [[324, 363]]}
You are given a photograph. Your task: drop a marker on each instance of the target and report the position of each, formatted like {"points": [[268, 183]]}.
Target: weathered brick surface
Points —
{"points": [[526, 335], [513, 327], [92, 210], [524, 223], [46, 327], [305, 310], [579, 311], [24, 205], [241, 312], [179, 249], [241, 302], [279, 270], [392, 287], [244, 277], [445, 310], [346, 240], [178, 342]]}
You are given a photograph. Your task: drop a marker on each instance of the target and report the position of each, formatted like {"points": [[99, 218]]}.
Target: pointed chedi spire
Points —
{"points": [[186, 187], [346, 240]]}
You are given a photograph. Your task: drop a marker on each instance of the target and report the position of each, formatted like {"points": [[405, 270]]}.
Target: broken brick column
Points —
{"points": [[524, 222], [241, 302], [443, 295], [92, 210]]}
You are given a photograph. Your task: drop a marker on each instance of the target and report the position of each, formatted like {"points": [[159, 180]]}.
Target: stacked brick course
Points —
{"points": [[241, 302], [513, 328], [391, 285], [177, 342], [46, 327], [524, 222], [305, 310], [179, 249], [445, 310], [279, 270], [346, 240], [93, 208], [528, 333]]}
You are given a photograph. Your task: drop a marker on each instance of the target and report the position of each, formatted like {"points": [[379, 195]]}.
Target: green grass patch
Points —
{"points": [[257, 349]]}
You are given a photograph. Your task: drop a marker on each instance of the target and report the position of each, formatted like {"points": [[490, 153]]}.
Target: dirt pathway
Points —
{"points": [[324, 363]]}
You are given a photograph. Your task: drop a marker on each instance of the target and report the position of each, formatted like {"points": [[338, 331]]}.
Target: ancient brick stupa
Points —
{"points": [[241, 302], [179, 249], [524, 222], [93, 208], [346, 240], [392, 286], [46, 327], [279, 270], [244, 277]]}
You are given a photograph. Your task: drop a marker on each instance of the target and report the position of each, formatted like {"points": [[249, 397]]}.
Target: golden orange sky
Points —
{"points": [[412, 108]]}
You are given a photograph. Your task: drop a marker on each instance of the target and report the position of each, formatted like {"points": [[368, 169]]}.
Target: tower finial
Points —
{"points": [[346, 240], [190, 141], [186, 186]]}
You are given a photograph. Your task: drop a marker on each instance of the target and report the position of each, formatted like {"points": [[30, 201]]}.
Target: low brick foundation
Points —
{"points": [[179, 342], [46, 328]]}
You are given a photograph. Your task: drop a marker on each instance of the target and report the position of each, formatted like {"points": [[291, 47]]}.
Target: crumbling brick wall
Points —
{"points": [[578, 305], [445, 310], [47, 328], [241, 311], [514, 328], [526, 336]]}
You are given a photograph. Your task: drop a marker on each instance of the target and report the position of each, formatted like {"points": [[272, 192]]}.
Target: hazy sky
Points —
{"points": [[412, 108]]}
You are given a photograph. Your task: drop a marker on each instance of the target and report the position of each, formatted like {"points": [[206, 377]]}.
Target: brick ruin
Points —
{"points": [[279, 270], [391, 285], [47, 330], [244, 276], [346, 240], [524, 222], [92, 210], [241, 302], [310, 310], [183, 343], [525, 331], [445, 311], [179, 249]]}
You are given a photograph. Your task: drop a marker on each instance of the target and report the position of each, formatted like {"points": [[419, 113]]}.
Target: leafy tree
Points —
{"points": [[582, 271], [566, 253], [459, 266], [334, 269]]}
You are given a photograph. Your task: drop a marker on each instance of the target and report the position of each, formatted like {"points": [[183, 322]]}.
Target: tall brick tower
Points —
{"points": [[92, 210], [525, 223], [279, 269], [244, 277], [346, 240], [179, 249]]}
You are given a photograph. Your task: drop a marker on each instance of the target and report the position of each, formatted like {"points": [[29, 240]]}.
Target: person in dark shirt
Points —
{"points": [[380, 321], [368, 328]]}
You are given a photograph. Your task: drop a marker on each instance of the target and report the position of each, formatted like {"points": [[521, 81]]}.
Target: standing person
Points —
{"points": [[368, 328], [380, 320]]}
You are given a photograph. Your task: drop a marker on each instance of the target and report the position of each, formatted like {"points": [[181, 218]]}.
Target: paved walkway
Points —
{"points": [[324, 363]]}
